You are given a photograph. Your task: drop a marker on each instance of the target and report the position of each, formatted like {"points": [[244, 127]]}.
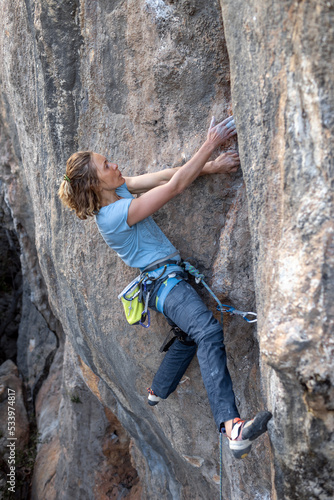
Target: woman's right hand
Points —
{"points": [[218, 134]]}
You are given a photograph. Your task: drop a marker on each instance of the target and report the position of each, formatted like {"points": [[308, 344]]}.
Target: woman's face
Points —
{"points": [[109, 176]]}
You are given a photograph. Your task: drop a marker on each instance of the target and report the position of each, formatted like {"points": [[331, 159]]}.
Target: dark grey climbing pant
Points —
{"points": [[184, 308]]}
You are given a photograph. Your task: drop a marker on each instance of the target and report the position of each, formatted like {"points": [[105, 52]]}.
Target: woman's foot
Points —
{"points": [[245, 431], [152, 398]]}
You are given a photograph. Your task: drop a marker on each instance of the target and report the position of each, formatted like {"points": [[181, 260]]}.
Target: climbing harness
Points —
{"points": [[136, 309], [199, 278]]}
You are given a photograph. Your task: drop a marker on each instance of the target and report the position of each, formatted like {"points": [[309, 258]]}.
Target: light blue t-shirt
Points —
{"points": [[139, 245]]}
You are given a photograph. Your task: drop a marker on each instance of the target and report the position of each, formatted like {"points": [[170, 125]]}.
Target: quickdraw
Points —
{"points": [[199, 278]]}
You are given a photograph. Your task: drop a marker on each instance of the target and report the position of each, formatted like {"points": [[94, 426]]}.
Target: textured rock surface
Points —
{"points": [[40, 350], [282, 93], [83, 451], [139, 80]]}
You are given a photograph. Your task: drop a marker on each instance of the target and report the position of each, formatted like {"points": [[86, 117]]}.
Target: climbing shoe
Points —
{"points": [[245, 431], [152, 398]]}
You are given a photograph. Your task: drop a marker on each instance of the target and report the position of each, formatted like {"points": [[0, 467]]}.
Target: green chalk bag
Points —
{"points": [[136, 312], [133, 306]]}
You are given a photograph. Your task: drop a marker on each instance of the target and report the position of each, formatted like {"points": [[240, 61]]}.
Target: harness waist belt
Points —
{"points": [[156, 266], [163, 262]]}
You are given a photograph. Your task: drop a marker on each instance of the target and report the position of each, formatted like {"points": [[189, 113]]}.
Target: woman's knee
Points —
{"points": [[211, 335]]}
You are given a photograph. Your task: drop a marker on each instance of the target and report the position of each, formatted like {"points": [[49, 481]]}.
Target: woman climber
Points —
{"points": [[94, 186]]}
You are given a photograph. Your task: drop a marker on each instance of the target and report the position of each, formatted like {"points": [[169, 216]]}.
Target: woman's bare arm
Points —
{"points": [[225, 163], [155, 198]]}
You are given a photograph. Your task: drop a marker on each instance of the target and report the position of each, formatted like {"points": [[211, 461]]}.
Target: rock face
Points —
{"points": [[282, 94], [139, 81], [83, 451]]}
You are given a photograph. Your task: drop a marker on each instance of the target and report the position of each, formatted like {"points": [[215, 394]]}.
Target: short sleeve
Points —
{"points": [[112, 219]]}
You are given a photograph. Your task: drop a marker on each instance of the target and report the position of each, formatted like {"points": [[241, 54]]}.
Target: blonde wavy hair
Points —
{"points": [[79, 189]]}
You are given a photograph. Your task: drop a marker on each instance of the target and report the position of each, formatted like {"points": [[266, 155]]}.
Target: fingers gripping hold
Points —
{"points": [[221, 132], [230, 124], [228, 120]]}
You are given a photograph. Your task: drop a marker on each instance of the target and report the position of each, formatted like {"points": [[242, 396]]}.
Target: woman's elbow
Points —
{"points": [[176, 189]]}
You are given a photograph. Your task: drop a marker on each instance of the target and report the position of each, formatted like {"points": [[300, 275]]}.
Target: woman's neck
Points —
{"points": [[109, 197]]}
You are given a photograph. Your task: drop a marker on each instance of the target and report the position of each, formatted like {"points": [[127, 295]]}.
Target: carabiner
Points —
{"points": [[229, 309], [144, 316], [244, 314]]}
